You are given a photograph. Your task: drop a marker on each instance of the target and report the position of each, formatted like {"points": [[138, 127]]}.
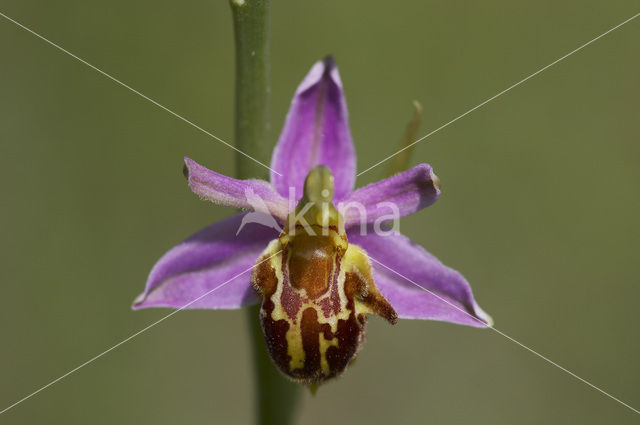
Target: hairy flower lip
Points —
{"points": [[316, 132]]}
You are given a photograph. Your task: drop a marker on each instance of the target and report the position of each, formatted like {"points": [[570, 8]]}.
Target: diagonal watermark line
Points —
{"points": [[129, 338], [502, 92], [114, 79], [531, 350]]}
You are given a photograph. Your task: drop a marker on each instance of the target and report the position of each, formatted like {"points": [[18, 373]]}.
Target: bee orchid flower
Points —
{"points": [[327, 257]]}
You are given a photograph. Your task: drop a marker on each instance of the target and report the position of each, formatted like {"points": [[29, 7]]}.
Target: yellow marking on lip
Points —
{"points": [[294, 334], [295, 348]]}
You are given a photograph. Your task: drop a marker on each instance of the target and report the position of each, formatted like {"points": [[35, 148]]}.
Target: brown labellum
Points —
{"points": [[316, 290]]}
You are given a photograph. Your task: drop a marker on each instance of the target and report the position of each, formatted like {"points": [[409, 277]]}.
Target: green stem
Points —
{"points": [[276, 397], [251, 27]]}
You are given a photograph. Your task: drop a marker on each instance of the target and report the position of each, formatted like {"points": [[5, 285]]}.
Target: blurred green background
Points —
{"points": [[540, 206]]}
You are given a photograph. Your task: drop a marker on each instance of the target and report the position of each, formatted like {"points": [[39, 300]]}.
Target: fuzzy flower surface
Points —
{"points": [[401, 274]]}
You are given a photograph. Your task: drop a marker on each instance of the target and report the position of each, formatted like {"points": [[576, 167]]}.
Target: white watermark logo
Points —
{"points": [[382, 218], [260, 213]]}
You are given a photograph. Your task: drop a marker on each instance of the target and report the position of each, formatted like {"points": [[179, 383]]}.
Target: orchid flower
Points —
{"points": [[317, 270]]}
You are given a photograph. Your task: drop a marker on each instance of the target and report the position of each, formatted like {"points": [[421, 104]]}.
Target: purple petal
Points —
{"points": [[257, 195], [316, 132], [410, 303], [212, 258], [401, 265], [407, 192]]}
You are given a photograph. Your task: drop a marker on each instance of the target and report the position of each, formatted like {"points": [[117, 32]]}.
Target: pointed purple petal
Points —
{"points": [[408, 192], [257, 195], [401, 265], [412, 303], [316, 132], [212, 258]]}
